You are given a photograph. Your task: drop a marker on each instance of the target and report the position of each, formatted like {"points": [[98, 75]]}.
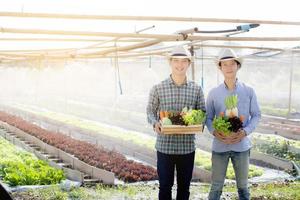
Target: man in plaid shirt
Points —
{"points": [[175, 151]]}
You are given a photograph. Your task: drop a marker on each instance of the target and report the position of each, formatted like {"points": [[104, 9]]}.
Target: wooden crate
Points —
{"points": [[178, 129]]}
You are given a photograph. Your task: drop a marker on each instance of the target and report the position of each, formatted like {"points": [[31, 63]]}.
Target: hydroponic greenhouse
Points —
{"points": [[74, 101]]}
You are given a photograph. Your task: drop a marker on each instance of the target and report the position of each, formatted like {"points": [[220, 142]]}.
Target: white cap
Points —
{"points": [[180, 52], [228, 54]]}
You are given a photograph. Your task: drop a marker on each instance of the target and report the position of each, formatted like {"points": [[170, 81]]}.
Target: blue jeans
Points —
{"points": [[166, 164], [240, 162]]}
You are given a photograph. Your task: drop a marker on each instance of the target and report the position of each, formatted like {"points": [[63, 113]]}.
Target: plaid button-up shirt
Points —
{"points": [[167, 96]]}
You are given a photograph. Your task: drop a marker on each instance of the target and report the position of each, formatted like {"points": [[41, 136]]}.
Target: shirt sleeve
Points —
{"points": [[255, 113], [152, 107], [210, 112]]}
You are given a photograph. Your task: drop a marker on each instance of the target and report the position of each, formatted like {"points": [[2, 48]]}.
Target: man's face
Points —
{"points": [[229, 68], [179, 66]]}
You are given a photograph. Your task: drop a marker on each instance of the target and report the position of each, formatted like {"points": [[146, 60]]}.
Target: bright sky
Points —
{"points": [[286, 10], [273, 10], [258, 9]]}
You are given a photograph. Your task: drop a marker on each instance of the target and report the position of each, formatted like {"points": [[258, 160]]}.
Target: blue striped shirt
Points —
{"points": [[247, 106]]}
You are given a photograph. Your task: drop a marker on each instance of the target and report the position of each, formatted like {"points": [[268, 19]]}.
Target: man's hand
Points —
{"points": [[220, 136], [236, 137], [157, 127], [233, 138]]}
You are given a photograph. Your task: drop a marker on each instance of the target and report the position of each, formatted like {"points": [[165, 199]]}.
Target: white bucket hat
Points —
{"points": [[228, 54], [180, 52]]}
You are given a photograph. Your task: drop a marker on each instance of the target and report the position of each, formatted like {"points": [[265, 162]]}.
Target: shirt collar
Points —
{"points": [[171, 81], [236, 84]]}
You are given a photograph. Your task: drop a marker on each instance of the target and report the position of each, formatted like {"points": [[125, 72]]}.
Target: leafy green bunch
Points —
{"points": [[231, 101], [193, 117], [221, 124]]}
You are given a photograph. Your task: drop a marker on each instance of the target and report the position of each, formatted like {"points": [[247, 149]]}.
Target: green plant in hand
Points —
{"points": [[229, 121], [221, 124], [231, 106]]}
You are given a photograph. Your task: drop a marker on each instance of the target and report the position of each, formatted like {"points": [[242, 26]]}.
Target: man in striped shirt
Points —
{"points": [[175, 151]]}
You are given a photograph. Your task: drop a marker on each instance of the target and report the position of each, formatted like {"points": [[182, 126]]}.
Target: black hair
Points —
{"points": [[178, 54], [227, 57]]}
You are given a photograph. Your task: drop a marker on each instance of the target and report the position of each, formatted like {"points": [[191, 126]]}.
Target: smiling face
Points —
{"points": [[179, 66], [229, 68]]}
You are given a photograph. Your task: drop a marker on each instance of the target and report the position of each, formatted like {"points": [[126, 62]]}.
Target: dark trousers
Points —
{"points": [[166, 164]]}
